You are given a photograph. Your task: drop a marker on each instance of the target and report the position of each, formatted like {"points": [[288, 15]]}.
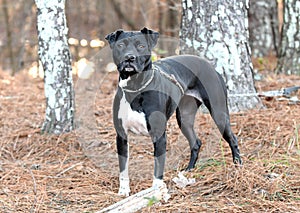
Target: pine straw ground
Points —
{"points": [[48, 173]]}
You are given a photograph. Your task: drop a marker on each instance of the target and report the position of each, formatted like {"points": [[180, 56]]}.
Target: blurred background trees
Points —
{"points": [[264, 27], [18, 39], [289, 51], [87, 21], [92, 19]]}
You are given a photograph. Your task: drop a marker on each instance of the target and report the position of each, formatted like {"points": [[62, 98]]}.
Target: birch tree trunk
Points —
{"points": [[289, 54], [263, 27], [55, 56], [218, 31]]}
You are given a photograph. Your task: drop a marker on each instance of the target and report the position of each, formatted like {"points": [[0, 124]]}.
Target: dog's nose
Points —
{"points": [[130, 57]]}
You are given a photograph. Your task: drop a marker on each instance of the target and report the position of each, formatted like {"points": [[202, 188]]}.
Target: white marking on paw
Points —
{"points": [[124, 189], [158, 183]]}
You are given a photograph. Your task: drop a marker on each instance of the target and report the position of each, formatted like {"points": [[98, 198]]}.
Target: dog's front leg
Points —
{"points": [[159, 160], [123, 152]]}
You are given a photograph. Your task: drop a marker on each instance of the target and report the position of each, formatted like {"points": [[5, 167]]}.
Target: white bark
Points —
{"points": [[289, 54], [56, 60], [218, 31]]}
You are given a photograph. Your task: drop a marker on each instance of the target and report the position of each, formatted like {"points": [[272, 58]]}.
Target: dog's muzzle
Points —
{"points": [[128, 67]]}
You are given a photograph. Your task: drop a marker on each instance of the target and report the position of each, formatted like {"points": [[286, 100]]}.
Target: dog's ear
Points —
{"points": [[113, 37], [151, 36]]}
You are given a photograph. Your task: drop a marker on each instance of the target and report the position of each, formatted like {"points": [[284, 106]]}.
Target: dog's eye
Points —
{"points": [[120, 45], [141, 46]]}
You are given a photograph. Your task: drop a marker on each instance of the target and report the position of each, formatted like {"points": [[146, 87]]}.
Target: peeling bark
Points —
{"points": [[263, 27], [55, 56], [218, 31], [289, 52]]}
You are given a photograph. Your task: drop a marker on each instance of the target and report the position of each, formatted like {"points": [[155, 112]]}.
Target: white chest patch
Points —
{"points": [[123, 83], [132, 120]]}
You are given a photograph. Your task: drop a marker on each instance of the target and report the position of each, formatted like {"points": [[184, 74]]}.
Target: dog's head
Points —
{"points": [[132, 50]]}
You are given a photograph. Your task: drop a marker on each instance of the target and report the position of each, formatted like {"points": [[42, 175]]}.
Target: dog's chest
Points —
{"points": [[132, 120]]}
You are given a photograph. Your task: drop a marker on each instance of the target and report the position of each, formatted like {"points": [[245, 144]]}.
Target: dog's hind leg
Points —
{"points": [[233, 143], [216, 102], [185, 114], [222, 120]]}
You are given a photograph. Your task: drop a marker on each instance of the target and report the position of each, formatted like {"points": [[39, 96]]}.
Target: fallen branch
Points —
{"points": [[139, 200], [285, 92]]}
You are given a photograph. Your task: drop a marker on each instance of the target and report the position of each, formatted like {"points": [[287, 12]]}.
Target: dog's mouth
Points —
{"points": [[127, 69]]}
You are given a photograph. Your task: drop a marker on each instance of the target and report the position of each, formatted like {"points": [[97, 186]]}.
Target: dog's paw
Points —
{"points": [[124, 189], [158, 183], [238, 161]]}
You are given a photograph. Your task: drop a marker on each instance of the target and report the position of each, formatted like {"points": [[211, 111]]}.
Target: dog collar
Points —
{"points": [[171, 78], [167, 76], [141, 88]]}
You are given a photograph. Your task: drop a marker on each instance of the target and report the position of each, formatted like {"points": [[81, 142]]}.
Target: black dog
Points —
{"points": [[148, 94]]}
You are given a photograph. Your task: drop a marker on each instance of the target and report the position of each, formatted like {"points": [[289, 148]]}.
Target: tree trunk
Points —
{"points": [[263, 27], [289, 54], [217, 30], [56, 60], [9, 39]]}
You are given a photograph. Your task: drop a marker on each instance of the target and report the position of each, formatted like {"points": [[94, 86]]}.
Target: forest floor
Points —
{"points": [[70, 173]]}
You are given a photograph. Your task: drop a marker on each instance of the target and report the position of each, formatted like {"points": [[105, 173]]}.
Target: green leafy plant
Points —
{"points": [[151, 200]]}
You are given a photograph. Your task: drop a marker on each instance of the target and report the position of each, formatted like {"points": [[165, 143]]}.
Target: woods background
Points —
{"points": [[59, 173], [87, 21], [93, 19]]}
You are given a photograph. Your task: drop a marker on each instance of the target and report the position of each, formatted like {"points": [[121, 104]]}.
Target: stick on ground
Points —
{"points": [[138, 201]]}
